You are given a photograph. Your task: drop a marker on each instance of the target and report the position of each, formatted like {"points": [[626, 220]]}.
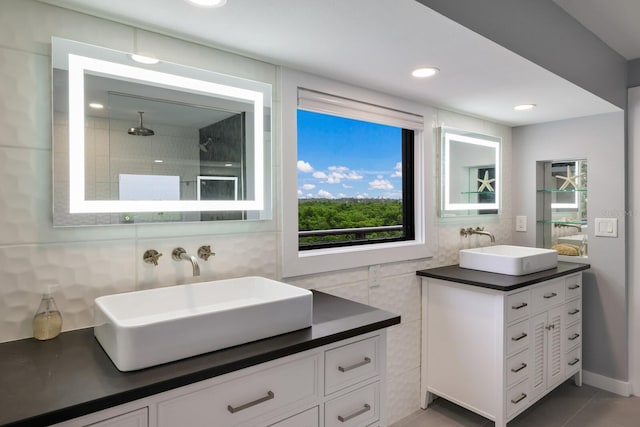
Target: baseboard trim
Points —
{"points": [[622, 388]]}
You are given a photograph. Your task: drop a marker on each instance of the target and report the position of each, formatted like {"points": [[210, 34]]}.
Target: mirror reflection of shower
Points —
{"points": [[140, 130], [207, 146]]}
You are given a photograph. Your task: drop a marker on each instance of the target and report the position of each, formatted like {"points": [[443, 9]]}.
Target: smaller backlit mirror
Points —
{"points": [[470, 173], [155, 143]]}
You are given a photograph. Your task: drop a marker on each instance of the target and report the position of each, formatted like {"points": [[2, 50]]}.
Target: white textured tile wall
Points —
{"points": [[93, 261]]}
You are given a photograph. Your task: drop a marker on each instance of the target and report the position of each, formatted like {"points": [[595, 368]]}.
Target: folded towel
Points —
{"points": [[566, 249]]}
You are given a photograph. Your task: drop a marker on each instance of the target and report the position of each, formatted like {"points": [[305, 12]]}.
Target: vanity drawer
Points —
{"points": [[548, 295], [136, 418], [573, 362], [573, 311], [241, 399], [357, 408], [351, 364], [517, 397], [517, 337], [308, 418], [517, 368], [573, 287], [518, 306], [574, 335]]}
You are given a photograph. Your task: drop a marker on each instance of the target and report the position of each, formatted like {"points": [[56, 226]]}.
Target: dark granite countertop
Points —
{"points": [[500, 282], [46, 382]]}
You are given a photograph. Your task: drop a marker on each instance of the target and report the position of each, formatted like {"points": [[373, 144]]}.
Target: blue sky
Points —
{"points": [[339, 157]]}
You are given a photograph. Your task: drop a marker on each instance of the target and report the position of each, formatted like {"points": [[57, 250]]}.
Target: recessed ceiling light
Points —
{"points": [[523, 107], [228, 164], [158, 161], [425, 72], [144, 59], [96, 105], [207, 3]]}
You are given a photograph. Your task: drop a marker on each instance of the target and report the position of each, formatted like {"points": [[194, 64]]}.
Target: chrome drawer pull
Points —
{"points": [[366, 361], [519, 306], [519, 368], [355, 414], [551, 295], [574, 287], [519, 399], [574, 361], [574, 311], [519, 337], [574, 337], [233, 410]]}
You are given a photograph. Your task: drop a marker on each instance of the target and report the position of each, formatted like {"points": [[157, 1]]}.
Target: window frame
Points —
{"points": [[295, 262], [407, 137]]}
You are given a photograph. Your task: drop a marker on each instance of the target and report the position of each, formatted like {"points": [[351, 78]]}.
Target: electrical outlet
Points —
{"points": [[521, 223]]}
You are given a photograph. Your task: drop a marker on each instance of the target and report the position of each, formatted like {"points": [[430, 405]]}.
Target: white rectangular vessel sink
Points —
{"points": [[146, 328], [506, 259]]}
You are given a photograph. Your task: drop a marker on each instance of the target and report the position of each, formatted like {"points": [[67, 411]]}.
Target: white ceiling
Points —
{"points": [[615, 22], [374, 44]]}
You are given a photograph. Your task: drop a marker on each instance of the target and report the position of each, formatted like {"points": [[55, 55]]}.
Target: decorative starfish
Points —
{"points": [[568, 180], [486, 182]]}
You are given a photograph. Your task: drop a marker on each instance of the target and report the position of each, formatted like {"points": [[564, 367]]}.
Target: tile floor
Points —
{"points": [[566, 406]]}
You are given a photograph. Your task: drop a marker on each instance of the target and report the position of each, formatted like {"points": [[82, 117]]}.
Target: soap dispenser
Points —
{"points": [[47, 323]]}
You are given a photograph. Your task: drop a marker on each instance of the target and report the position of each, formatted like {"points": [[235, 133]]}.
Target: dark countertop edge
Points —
{"points": [[522, 281], [119, 398]]}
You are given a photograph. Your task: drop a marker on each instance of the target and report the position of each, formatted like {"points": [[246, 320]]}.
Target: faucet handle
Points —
{"points": [[151, 256], [204, 252]]}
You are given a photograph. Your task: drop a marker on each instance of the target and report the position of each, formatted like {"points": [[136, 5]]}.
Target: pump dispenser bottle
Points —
{"points": [[47, 323]]}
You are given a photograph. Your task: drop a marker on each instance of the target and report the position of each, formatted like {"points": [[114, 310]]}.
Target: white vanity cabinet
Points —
{"points": [[497, 352], [341, 384]]}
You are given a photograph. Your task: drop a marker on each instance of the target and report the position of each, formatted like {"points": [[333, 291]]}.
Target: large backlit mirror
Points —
{"points": [[162, 142], [470, 173]]}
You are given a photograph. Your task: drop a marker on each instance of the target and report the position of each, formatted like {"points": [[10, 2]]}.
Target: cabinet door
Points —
{"points": [[547, 350], [538, 353], [555, 347]]}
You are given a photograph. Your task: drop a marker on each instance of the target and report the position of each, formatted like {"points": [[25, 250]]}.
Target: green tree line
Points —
{"points": [[315, 214]]}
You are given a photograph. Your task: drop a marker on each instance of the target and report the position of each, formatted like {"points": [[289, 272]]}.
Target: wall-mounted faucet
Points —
{"points": [[466, 232], [179, 254]]}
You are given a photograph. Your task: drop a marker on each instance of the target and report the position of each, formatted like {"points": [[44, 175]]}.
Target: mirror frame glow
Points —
{"points": [[448, 135], [78, 64]]}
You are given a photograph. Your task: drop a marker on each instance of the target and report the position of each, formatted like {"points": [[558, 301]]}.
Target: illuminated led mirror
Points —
{"points": [[119, 124], [470, 173]]}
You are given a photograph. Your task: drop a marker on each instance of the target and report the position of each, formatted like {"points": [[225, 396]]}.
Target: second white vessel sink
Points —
{"points": [[510, 260], [151, 327]]}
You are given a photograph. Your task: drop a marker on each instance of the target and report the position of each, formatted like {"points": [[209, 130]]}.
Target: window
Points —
{"points": [[355, 181], [368, 151]]}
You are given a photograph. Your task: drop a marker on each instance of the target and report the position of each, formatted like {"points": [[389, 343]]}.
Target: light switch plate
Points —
{"points": [[606, 227], [521, 223]]}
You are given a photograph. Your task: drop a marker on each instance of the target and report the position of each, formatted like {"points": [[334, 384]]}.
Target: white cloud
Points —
{"points": [[337, 174], [380, 184], [320, 175], [299, 193], [342, 195], [308, 187], [304, 166], [347, 186], [325, 194], [397, 172]]}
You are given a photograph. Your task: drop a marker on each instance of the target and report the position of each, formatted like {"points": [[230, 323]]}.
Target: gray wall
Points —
{"points": [[545, 34], [633, 73], [601, 140]]}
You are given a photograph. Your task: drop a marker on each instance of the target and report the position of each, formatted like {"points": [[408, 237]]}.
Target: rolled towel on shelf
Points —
{"points": [[566, 249]]}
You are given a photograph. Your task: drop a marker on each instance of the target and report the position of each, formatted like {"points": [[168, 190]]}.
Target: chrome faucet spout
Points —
{"points": [[478, 230], [179, 254]]}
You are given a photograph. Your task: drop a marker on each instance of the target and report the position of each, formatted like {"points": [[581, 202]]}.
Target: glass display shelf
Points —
{"points": [[580, 190]]}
